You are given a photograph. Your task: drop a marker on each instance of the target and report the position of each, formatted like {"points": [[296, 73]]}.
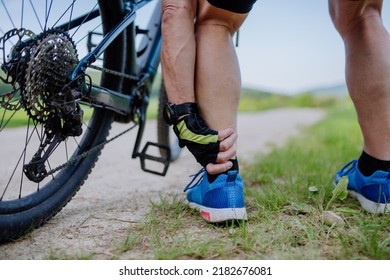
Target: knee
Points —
{"points": [[210, 15], [352, 16], [174, 12], [230, 24]]}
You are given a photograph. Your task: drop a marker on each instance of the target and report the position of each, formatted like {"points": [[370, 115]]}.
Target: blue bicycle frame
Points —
{"points": [[147, 60], [144, 60]]}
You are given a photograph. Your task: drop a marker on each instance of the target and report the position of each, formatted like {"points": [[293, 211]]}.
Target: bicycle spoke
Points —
{"points": [[8, 120], [22, 16], [2, 119], [86, 35], [64, 13], [47, 13], [71, 14], [22, 155], [66, 150], [36, 15], [8, 14], [84, 20]]}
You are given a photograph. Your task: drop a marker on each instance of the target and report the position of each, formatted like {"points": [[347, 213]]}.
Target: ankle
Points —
{"points": [[368, 164], [235, 166]]}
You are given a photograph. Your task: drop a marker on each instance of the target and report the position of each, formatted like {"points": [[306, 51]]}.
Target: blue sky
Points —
{"points": [[286, 46], [290, 46]]}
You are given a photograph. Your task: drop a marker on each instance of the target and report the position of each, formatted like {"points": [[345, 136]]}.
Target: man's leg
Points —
{"points": [[218, 197], [178, 67], [218, 80], [367, 45]]}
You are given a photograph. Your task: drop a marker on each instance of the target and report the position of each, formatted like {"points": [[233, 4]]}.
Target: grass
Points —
{"points": [[287, 192]]}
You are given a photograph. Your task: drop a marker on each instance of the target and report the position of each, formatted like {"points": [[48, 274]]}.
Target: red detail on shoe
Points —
{"points": [[205, 215]]}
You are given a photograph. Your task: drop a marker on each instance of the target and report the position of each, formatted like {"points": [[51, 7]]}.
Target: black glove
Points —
{"points": [[199, 139]]}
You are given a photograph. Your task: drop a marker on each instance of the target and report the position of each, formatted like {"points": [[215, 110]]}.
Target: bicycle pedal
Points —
{"points": [[152, 161]]}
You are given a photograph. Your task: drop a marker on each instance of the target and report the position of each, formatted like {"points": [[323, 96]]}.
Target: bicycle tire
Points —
{"points": [[23, 214], [165, 134]]}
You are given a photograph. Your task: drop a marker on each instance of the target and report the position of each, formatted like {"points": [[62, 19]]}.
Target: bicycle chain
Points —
{"points": [[116, 73], [89, 152]]}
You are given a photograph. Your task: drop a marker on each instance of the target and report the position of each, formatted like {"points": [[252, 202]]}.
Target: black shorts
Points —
{"points": [[235, 6]]}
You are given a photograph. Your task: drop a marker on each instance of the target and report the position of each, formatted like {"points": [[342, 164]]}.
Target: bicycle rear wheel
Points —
{"points": [[33, 54]]}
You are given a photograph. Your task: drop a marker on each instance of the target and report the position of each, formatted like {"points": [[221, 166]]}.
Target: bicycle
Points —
{"points": [[45, 84]]}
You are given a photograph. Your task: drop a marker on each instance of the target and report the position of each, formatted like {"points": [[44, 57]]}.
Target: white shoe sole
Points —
{"points": [[215, 215], [371, 206]]}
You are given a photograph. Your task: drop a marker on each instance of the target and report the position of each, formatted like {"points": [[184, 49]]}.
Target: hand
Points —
{"points": [[227, 150]]}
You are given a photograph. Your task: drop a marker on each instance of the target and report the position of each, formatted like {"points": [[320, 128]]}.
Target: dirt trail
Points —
{"points": [[118, 193]]}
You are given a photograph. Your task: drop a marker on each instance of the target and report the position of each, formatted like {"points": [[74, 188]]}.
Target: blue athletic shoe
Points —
{"points": [[220, 201], [373, 192]]}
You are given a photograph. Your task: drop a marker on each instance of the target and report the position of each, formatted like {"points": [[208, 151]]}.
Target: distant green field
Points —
{"points": [[19, 118], [251, 100], [254, 100]]}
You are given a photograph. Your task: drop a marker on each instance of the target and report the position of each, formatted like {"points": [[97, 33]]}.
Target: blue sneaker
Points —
{"points": [[373, 192], [220, 201]]}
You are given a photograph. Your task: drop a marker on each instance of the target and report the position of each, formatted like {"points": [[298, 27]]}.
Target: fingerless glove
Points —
{"points": [[199, 139]]}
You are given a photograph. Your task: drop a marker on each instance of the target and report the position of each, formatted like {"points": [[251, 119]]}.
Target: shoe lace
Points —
{"points": [[348, 167], [194, 183]]}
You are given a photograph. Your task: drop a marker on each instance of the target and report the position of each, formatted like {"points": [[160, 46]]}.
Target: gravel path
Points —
{"points": [[118, 193]]}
